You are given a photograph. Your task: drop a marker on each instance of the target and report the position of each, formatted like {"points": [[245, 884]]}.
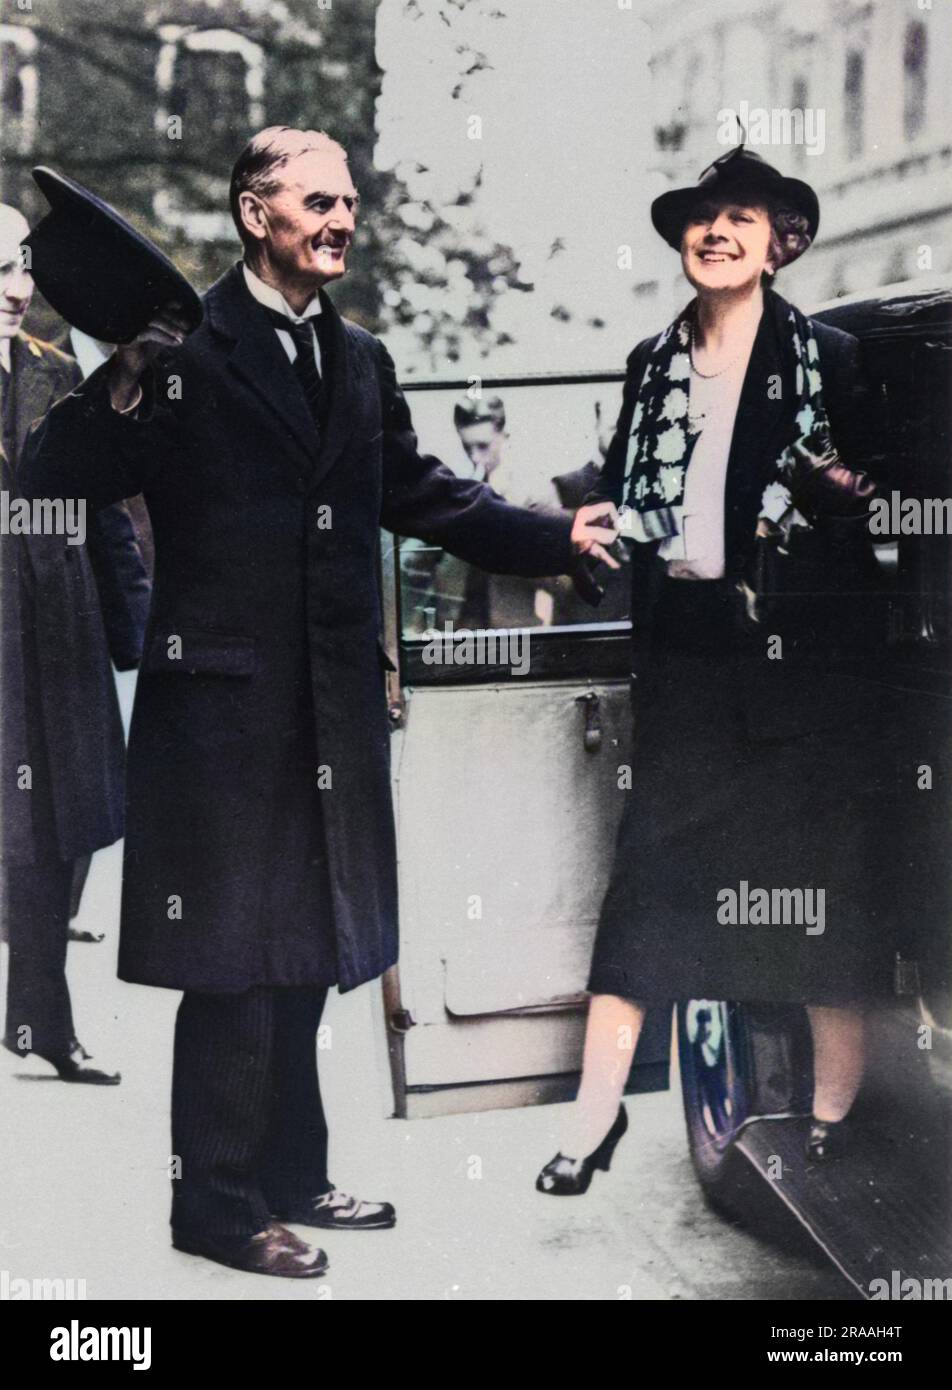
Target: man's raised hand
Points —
{"points": [[166, 329]]}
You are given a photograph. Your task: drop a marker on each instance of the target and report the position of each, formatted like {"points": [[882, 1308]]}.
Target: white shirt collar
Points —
{"points": [[89, 353], [5, 353], [274, 299]]}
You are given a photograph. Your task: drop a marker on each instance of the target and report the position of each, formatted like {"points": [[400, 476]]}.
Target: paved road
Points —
{"points": [[85, 1192]]}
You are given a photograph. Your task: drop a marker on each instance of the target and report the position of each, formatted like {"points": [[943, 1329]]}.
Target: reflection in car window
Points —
{"points": [[537, 445]]}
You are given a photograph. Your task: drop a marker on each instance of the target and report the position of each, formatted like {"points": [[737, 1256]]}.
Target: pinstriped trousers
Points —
{"points": [[36, 912], [247, 1120]]}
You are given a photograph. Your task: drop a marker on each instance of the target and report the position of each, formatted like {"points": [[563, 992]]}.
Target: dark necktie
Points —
{"points": [[305, 367]]}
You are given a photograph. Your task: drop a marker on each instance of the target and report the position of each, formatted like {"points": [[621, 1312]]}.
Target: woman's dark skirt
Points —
{"points": [[713, 811]]}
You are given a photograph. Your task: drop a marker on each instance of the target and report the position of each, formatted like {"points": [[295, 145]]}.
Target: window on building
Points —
{"points": [[670, 137], [12, 90], [798, 102], [914, 79], [210, 87], [18, 87], [854, 101], [213, 81]]}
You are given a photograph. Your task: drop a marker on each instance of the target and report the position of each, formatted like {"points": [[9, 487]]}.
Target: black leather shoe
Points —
{"points": [[335, 1211], [272, 1251], [93, 937], [570, 1177], [74, 1066], [826, 1140]]}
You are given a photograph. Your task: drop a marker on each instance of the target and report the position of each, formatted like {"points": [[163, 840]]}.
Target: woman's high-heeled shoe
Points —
{"points": [[826, 1140], [570, 1177]]}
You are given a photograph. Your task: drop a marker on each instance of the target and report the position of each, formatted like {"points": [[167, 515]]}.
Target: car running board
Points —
{"points": [[881, 1211]]}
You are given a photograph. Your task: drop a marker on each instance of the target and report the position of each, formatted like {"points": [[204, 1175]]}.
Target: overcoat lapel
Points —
{"points": [[339, 417], [34, 386], [764, 417], [36, 383], [259, 361]]}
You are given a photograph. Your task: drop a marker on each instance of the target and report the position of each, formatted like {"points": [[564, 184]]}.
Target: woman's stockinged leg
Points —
{"points": [[611, 1036], [838, 1060]]}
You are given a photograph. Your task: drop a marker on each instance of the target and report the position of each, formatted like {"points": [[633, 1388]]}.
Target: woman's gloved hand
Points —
{"points": [[821, 485]]}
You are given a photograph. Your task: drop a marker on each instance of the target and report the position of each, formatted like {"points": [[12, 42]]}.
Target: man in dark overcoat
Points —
{"points": [[65, 609], [259, 856]]}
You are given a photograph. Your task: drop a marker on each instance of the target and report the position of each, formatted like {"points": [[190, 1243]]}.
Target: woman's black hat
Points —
{"points": [[738, 174], [100, 274]]}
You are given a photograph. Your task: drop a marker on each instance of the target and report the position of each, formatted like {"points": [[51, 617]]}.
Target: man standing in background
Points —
{"points": [[61, 794]]}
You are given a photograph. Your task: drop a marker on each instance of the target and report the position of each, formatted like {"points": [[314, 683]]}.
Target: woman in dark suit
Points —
{"points": [[745, 866]]}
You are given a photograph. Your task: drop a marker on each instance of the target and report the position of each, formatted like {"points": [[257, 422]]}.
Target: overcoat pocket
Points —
{"points": [[195, 653]]}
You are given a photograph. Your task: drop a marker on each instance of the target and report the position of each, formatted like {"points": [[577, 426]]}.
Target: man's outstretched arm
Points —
{"points": [[424, 498]]}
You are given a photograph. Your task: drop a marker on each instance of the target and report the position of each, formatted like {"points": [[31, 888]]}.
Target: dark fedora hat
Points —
{"points": [[100, 274], [738, 174]]}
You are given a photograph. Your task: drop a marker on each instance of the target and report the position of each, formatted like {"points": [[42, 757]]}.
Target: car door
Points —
{"points": [[905, 333], [511, 761]]}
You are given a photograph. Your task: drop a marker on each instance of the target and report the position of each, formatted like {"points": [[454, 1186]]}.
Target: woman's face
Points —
{"points": [[726, 246]]}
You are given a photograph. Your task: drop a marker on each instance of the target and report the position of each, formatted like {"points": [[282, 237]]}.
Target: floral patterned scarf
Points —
{"points": [[662, 440]]}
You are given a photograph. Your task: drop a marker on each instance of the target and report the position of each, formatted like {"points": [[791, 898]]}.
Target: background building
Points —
{"points": [[506, 154], [874, 75], [149, 101]]}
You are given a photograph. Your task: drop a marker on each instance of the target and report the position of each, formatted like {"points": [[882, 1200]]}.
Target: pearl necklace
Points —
{"points": [[710, 376]]}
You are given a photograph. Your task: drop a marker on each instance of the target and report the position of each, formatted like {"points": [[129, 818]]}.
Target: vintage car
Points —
{"points": [[510, 744]]}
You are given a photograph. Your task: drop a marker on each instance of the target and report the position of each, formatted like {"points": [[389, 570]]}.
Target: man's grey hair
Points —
{"points": [[262, 159]]}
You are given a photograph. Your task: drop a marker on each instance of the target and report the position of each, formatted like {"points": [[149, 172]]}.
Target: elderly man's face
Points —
{"points": [[16, 284], [308, 225]]}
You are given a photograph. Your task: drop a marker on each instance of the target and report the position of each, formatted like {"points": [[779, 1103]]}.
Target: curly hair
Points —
{"points": [[789, 235], [789, 230]]}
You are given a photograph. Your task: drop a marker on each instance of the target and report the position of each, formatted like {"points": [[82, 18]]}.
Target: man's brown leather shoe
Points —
{"points": [[272, 1251], [335, 1211]]}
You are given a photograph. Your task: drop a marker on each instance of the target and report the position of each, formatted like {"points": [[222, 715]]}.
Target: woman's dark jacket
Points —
{"points": [[819, 591]]}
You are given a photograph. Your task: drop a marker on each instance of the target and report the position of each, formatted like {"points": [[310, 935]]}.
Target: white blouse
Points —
{"points": [[698, 552]]}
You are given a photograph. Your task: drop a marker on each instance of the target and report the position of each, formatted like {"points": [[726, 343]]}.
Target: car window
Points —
{"points": [[539, 444]]}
